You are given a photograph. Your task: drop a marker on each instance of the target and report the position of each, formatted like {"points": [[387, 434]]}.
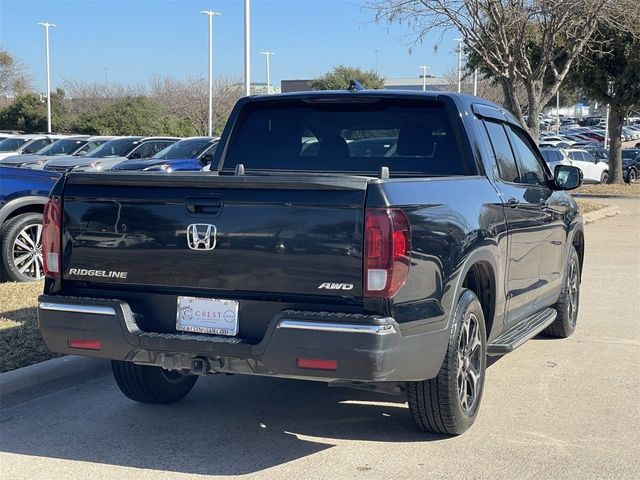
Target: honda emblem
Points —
{"points": [[201, 236]]}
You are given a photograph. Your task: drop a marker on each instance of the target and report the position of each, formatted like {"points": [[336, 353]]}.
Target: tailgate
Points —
{"points": [[272, 236]]}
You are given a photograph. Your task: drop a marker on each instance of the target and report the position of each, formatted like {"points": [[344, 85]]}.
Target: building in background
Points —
{"points": [[409, 83], [258, 88]]}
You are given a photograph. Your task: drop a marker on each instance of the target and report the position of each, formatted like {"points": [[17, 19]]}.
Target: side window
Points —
{"points": [[577, 156], [145, 150], [158, 146], [35, 146], [504, 156], [589, 158], [531, 171]]}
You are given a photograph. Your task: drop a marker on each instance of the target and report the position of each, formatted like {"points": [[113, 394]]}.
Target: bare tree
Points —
{"points": [[84, 97], [488, 88], [521, 42], [189, 100], [13, 77]]}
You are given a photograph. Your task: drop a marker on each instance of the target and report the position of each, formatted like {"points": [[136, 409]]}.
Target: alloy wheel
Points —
{"points": [[27, 252], [573, 294], [468, 375]]}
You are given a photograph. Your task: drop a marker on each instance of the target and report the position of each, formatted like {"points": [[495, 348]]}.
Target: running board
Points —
{"points": [[520, 333]]}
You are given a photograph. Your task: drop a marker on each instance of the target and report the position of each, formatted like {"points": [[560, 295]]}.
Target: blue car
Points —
{"points": [[189, 154], [23, 194]]}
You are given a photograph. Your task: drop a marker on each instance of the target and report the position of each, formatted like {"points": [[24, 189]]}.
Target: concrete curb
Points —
{"points": [[600, 214], [48, 377], [602, 195]]}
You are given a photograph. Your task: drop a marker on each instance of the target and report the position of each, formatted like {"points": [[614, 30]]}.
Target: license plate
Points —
{"points": [[207, 315]]}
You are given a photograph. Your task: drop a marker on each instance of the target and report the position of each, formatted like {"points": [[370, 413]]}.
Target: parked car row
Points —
{"points": [[593, 162], [83, 153]]}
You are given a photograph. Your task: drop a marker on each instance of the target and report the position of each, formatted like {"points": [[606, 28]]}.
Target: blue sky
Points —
{"points": [[139, 38]]}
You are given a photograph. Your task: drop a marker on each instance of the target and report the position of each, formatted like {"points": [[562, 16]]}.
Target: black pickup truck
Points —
{"points": [[371, 239]]}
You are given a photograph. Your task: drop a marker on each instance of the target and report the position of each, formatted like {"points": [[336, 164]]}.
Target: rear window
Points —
{"points": [[349, 137]]}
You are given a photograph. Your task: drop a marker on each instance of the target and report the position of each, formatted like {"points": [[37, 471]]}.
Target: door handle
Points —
{"points": [[513, 203], [211, 206]]}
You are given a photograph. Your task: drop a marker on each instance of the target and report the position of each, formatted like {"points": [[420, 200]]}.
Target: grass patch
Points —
{"points": [[626, 189], [587, 206], [20, 340]]}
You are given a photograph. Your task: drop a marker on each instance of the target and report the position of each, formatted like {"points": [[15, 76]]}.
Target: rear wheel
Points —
{"points": [[567, 305], [604, 178], [149, 384], [633, 175], [449, 402], [21, 246]]}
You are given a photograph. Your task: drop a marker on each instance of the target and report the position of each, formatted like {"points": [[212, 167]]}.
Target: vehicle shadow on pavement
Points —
{"points": [[229, 425]]}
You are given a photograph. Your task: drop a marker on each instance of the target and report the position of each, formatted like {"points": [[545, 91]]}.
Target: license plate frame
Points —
{"points": [[212, 316]]}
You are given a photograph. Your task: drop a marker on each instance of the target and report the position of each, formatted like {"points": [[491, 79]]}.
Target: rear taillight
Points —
{"points": [[51, 239], [387, 251]]}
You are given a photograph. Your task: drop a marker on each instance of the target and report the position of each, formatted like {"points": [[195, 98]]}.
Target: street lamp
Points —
{"points": [[211, 15], [267, 54], [424, 77], [247, 49], [46, 43], [459, 40]]}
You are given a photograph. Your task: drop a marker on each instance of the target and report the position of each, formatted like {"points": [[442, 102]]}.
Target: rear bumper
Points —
{"points": [[362, 348]]}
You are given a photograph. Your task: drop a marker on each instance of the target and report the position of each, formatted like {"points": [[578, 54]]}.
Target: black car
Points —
{"points": [[631, 164]]}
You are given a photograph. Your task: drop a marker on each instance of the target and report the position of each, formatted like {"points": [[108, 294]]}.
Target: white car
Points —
{"points": [[19, 144], [593, 169]]}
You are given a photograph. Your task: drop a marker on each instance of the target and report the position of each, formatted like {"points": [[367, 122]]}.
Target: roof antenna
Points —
{"points": [[354, 85]]}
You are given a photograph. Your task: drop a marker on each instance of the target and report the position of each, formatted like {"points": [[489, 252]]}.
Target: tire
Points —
{"points": [[149, 384], [437, 405], [632, 176], [21, 247], [567, 305], [604, 178]]}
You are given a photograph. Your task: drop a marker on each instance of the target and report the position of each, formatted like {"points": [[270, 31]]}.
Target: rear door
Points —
{"points": [[553, 233]]}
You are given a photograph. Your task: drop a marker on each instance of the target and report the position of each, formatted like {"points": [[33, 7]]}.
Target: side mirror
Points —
{"points": [[567, 177], [135, 155], [206, 159], [28, 151]]}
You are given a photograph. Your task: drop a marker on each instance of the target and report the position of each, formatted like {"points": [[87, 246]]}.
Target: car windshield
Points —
{"points": [[62, 147], [189, 148], [115, 148], [316, 136], [11, 144]]}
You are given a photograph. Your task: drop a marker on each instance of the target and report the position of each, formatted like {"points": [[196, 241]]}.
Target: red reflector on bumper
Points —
{"points": [[85, 344], [317, 364]]}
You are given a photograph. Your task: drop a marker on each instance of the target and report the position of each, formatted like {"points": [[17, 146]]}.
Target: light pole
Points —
{"points": [[46, 43], [475, 82], [606, 128], [376, 51], [424, 77], [211, 15], [558, 112], [247, 49], [459, 40], [267, 54]]}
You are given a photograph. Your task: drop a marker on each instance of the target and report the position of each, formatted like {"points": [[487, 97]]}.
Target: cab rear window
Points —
{"points": [[349, 137]]}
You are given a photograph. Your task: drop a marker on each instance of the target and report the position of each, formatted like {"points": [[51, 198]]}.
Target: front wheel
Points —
{"points": [[633, 176], [604, 178], [149, 384], [449, 403]]}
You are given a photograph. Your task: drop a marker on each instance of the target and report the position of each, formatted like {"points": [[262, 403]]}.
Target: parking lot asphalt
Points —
{"points": [[553, 409]]}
